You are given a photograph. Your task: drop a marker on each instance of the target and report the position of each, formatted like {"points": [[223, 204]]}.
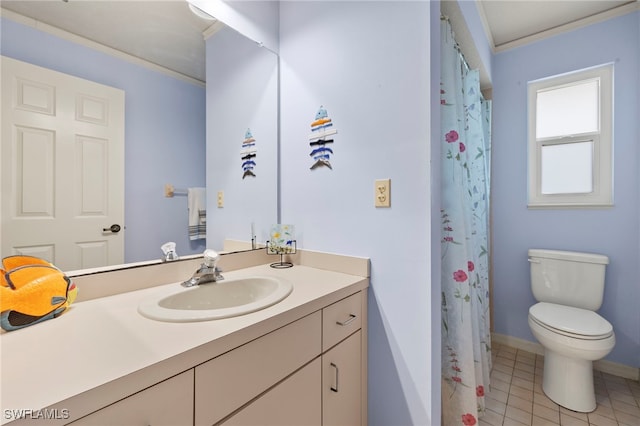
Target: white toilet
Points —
{"points": [[569, 287]]}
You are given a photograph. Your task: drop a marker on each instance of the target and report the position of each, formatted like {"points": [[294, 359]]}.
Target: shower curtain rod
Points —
{"points": [[457, 46], [465, 64]]}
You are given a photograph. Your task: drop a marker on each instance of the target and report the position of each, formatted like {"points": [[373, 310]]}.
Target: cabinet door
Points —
{"points": [[167, 403], [295, 402], [226, 383], [341, 383]]}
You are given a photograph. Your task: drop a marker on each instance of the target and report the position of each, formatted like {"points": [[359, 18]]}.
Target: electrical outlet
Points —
{"points": [[220, 199], [382, 193]]}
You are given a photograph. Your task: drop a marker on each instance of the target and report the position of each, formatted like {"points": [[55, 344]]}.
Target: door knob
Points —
{"points": [[115, 228]]}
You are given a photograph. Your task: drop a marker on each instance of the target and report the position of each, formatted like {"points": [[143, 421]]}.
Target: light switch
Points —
{"points": [[220, 199], [382, 193]]}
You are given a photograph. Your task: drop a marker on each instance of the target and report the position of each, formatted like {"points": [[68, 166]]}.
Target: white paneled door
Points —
{"points": [[62, 170]]}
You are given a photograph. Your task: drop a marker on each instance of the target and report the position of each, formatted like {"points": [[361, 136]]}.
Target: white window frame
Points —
{"points": [[602, 171]]}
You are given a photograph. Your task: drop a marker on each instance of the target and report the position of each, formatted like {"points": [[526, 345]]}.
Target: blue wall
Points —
{"points": [[473, 21], [613, 231], [369, 64], [164, 134]]}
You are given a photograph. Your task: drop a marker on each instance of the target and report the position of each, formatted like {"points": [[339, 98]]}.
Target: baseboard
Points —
{"points": [[609, 367], [517, 343], [616, 369]]}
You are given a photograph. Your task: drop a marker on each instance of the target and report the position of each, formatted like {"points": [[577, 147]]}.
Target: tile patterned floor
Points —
{"points": [[516, 396]]}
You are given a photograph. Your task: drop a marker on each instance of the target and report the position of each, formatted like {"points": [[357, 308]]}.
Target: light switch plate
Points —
{"points": [[382, 193], [220, 199]]}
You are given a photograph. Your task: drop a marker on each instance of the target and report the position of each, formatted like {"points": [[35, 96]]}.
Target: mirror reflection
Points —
{"points": [[242, 134], [169, 138]]}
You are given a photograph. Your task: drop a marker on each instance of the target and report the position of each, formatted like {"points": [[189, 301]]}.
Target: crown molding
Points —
{"points": [[589, 20], [50, 29]]}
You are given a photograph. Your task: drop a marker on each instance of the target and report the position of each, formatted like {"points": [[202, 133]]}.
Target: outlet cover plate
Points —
{"points": [[382, 193]]}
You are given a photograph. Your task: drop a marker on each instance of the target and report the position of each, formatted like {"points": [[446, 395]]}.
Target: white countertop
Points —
{"points": [[102, 350]]}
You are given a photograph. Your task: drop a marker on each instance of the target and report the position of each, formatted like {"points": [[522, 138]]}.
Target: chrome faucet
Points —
{"points": [[208, 272]]}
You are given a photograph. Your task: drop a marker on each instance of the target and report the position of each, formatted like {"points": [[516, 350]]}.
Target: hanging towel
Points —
{"points": [[197, 201]]}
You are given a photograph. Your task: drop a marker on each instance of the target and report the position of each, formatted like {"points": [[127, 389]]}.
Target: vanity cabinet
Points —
{"points": [[311, 371], [302, 361], [306, 373], [167, 403]]}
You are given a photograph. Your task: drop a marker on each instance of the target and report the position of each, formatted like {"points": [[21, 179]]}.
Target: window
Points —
{"points": [[570, 139]]}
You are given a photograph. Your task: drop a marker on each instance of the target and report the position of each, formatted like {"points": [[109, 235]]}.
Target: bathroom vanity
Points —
{"points": [[300, 361]]}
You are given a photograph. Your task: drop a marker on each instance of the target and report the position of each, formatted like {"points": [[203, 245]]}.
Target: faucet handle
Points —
{"points": [[169, 250], [211, 258]]}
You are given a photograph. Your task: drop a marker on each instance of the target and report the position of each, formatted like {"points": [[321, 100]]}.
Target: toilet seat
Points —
{"points": [[571, 322]]}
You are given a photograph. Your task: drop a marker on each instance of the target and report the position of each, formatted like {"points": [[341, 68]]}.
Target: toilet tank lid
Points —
{"points": [[569, 255]]}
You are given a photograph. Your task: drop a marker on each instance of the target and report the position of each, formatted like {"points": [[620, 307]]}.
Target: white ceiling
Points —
{"points": [[166, 33], [163, 32], [512, 22]]}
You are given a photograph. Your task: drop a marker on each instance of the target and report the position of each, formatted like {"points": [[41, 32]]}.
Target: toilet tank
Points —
{"points": [[568, 277]]}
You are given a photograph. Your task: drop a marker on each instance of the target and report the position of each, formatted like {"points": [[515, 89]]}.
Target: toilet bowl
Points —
{"points": [[572, 339], [569, 289]]}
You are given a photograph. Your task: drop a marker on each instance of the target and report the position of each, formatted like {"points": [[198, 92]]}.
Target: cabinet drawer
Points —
{"points": [[297, 401], [227, 382], [341, 319], [167, 403]]}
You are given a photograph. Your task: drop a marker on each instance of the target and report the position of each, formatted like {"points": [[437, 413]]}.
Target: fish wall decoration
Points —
{"points": [[247, 154], [321, 128]]}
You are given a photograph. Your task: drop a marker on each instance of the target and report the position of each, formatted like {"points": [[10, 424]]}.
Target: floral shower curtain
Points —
{"points": [[465, 139]]}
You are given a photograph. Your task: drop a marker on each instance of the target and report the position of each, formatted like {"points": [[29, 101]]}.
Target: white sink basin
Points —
{"points": [[222, 299]]}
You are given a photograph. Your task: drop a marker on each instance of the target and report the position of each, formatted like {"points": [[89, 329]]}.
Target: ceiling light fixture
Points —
{"points": [[201, 13]]}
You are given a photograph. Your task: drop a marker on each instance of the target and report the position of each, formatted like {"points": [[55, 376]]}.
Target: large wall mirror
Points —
{"points": [[178, 130]]}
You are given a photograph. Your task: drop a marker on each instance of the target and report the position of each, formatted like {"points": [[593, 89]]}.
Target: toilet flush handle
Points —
{"points": [[533, 260]]}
